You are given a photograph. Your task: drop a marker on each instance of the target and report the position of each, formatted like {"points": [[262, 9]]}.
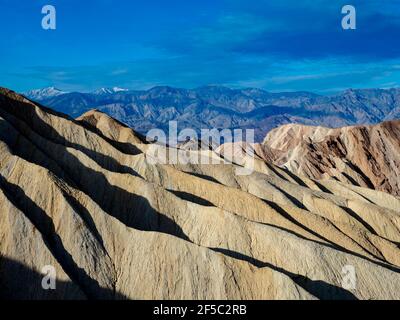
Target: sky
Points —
{"points": [[276, 45]]}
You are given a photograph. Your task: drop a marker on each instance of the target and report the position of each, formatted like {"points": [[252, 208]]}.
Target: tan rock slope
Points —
{"points": [[111, 128], [367, 156], [87, 198]]}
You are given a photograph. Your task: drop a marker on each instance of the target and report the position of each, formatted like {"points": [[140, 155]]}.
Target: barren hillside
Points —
{"points": [[367, 156], [83, 196]]}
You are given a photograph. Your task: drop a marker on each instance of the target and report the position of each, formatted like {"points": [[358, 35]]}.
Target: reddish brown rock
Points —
{"points": [[367, 156]]}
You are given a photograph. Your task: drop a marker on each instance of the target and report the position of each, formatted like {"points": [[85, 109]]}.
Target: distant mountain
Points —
{"points": [[40, 94], [109, 90], [222, 107]]}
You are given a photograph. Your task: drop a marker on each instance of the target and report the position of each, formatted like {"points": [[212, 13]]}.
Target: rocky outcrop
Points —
{"points": [[111, 128], [367, 156], [117, 225]]}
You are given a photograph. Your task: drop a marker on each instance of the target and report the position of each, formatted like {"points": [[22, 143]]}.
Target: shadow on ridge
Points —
{"points": [[329, 243], [44, 224], [19, 282], [124, 147], [25, 112], [133, 210], [319, 289]]}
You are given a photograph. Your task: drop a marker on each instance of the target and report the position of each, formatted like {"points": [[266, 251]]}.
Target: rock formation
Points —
{"points": [[366, 156], [86, 197]]}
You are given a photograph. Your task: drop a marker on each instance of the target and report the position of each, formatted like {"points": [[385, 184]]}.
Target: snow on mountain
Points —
{"points": [[221, 107], [109, 90], [40, 94]]}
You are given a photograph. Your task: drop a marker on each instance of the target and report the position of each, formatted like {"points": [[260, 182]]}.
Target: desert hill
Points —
{"points": [[85, 197], [367, 156]]}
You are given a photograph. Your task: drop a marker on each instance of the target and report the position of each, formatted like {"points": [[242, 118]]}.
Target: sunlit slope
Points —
{"points": [[85, 197]]}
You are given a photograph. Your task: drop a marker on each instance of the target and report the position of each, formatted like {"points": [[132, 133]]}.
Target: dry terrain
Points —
{"points": [[86, 197]]}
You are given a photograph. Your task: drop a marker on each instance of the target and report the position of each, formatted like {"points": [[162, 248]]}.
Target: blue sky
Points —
{"points": [[277, 45]]}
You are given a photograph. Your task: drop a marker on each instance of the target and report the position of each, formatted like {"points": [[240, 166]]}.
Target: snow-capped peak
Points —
{"points": [[40, 94], [117, 89], [109, 90]]}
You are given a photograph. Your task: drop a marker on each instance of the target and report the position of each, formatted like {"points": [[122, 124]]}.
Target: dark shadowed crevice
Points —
{"points": [[125, 147], [367, 180], [19, 282], [45, 226], [203, 176], [332, 244], [321, 187], [286, 215], [133, 210], [26, 114], [352, 181], [318, 288], [192, 198], [291, 198], [295, 178], [359, 219]]}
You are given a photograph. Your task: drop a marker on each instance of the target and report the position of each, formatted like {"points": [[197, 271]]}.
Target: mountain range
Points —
{"points": [[85, 197], [221, 107]]}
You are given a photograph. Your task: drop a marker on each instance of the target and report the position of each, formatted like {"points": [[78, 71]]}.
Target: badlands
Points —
{"points": [[82, 195]]}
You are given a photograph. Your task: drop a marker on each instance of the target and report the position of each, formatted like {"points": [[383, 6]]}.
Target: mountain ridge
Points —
{"points": [[222, 107], [365, 155]]}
